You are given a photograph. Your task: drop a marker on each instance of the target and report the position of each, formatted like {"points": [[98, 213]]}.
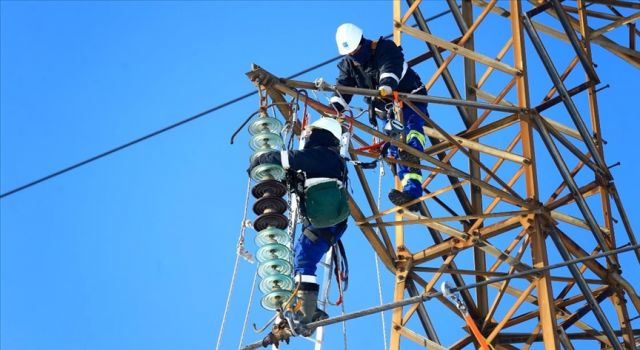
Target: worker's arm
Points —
{"points": [[345, 78], [391, 64], [267, 158]]}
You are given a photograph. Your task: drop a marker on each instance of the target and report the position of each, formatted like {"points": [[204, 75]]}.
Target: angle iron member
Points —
{"points": [[424, 297]]}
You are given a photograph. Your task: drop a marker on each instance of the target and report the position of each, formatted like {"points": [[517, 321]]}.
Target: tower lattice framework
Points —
{"points": [[517, 185]]}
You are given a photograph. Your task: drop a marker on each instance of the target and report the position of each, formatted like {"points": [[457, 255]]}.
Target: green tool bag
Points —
{"points": [[326, 203]]}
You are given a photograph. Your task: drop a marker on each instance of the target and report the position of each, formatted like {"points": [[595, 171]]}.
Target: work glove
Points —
{"points": [[338, 107], [385, 90]]}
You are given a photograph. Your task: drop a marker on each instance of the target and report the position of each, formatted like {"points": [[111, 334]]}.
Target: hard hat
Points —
{"points": [[329, 124], [348, 38]]}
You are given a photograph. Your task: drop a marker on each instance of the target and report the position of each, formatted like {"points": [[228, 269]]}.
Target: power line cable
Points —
{"points": [[175, 125], [123, 146], [155, 133]]}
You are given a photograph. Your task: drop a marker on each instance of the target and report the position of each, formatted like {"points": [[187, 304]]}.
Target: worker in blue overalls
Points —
{"points": [[322, 166], [380, 66]]}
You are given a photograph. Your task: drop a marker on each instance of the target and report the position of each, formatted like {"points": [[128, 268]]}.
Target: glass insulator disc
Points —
{"points": [[273, 251], [271, 235], [274, 300], [274, 267], [266, 141], [267, 172], [265, 124], [273, 283]]}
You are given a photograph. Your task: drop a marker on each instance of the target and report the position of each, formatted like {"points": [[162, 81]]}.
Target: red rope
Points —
{"points": [[371, 147]]}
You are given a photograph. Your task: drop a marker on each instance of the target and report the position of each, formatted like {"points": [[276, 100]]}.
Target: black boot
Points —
{"points": [[308, 296], [400, 198]]}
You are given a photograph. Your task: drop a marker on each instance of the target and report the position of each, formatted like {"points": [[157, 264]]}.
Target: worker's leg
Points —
{"points": [[307, 255], [313, 244], [410, 177], [414, 136], [309, 249]]}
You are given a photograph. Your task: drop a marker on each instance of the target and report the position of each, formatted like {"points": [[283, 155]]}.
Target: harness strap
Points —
{"points": [[318, 180], [341, 270], [284, 159], [345, 265], [336, 267], [320, 234]]}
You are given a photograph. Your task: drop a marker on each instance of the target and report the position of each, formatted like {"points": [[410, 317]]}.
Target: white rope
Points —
{"points": [[375, 257], [360, 111], [246, 316], [340, 293], [235, 265], [328, 99], [344, 323]]}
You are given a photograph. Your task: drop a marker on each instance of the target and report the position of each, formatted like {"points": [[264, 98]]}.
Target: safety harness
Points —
{"points": [[341, 269], [323, 203]]}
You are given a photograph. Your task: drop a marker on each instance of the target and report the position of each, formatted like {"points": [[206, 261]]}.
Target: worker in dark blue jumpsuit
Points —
{"points": [[380, 65], [319, 159]]}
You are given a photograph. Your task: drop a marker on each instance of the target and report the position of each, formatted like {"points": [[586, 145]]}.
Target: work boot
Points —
{"points": [[308, 296], [401, 198]]}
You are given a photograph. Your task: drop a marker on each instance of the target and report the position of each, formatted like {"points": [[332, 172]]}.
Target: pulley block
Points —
{"points": [[270, 219], [270, 205]]}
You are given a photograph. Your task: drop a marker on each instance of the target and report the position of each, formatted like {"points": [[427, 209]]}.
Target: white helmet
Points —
{"points": [[329, 124], [348, 38]]}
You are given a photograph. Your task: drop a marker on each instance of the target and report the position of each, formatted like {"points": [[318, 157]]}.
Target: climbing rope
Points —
{"points": [[240, 247], [344, 327], [360, 111], [375, 257], [249, 303], [332, 251]]}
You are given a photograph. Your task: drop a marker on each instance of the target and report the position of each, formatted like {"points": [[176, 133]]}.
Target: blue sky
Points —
{"points": [[136, 250]]}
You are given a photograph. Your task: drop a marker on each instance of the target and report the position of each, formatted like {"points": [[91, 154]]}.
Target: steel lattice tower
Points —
{"points": [[524, 112]]}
